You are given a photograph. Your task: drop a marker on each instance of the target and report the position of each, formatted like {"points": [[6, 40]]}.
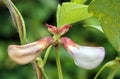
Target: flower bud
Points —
{"points": [[61, 31], [23, 54], [84, 56], [52, 29], [64, 29]]}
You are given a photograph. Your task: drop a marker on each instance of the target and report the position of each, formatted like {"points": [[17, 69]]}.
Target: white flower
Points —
{"points": [[23, 54], [84, 56]]}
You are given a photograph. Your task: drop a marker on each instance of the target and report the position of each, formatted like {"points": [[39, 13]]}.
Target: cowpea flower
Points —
{"points": [[84, 56], [23, 54]]}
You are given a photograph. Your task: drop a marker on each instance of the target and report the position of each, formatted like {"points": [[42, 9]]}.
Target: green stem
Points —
{"points": [[20, 24], [47, 54], [36, 70], [58, 64], [44, 74], [40, 63], [18, 20], [96, 76], [113, 65], [112, 73]]}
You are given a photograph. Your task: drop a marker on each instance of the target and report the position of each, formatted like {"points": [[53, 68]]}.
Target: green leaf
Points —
{"points": [[71, 12], [17, 20], [78, 1], [108, 12]]}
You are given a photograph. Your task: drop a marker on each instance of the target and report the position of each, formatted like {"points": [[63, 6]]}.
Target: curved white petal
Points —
{"points": [[87, 57], [84, 56], [23, 54]]}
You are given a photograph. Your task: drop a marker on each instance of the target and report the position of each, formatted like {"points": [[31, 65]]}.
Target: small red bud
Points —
{"points": [[61, 31], [64, 29], [52, 29]]}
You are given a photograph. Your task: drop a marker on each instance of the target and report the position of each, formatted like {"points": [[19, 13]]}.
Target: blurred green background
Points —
{"points": [[36, 13]]}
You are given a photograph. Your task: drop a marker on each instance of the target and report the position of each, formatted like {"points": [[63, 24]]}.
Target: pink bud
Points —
{"points": [[61, 31], [84, 56], [64, 29], [52, 29], [23, 54]]}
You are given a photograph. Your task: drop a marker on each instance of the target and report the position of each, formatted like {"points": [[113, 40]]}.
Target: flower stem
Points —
{"points": [[113, 65], [47, 54], [40, 63], [114, 68], [37, 71], [112, 73], [44, 74], [96, 76], [58, 63]]}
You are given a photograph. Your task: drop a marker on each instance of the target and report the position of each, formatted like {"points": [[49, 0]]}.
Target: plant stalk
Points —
{"points": [[44, 74], [37, 71], [98, 73], [58, 63], [112, 73], [40, 63], [46, 55]]}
